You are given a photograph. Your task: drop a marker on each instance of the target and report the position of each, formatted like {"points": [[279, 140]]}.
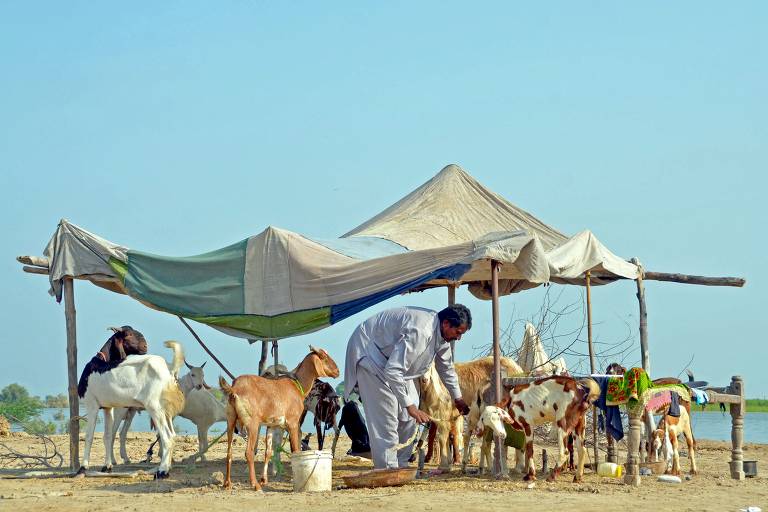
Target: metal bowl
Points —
{"points": [[381, 478]]}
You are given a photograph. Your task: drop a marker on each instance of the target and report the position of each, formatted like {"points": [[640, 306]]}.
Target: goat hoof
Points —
{"points": [[227, 485], [81, 472], [161, 475], [551, 478], [577, 479], [106, 469], [262, 481], [529, 478]]}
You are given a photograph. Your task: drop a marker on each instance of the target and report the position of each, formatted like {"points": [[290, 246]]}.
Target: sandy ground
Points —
{"points": [[197, 486]]}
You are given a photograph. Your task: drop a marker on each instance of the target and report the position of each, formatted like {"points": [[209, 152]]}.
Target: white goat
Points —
{"points": [[492, 418], [142, 381], [201, 407]]}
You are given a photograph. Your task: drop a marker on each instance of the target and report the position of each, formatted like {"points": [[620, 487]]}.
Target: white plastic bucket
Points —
{"points": [[311, 470]]}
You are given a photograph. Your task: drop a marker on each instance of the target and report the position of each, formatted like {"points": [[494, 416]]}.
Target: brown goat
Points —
{"points": [[253, 401]]}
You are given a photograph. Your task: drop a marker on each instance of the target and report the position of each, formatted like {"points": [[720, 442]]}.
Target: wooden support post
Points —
{"points": [[611, 456], [645, 356], [264, 353], [498, 450], [274, 355], [276, 433], [74, 401], [632, 476], [737, 428], [591, 366], [451, 302]]}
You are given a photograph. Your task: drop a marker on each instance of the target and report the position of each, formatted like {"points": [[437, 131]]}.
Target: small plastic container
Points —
{"points": [[610, 469]]}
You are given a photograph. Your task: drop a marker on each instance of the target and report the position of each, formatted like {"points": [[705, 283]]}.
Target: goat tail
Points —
{"points": [[225, 388], [178, 357], [172, 400], [593, 389]]}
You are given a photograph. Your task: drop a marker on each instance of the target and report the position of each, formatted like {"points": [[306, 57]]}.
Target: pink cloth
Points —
{"points": [[658, 400]]}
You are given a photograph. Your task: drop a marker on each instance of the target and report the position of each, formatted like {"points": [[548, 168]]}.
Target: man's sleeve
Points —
{"points": [[444, 367], [397, 364]]}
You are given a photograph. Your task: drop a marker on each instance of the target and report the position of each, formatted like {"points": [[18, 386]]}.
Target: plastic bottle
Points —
{"points": [[610, 469]]}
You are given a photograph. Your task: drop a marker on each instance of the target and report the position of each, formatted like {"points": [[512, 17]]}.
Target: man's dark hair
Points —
{"points": [[456, 314]]}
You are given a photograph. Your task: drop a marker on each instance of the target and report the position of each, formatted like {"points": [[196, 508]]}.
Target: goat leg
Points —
{"points": [[531, 475], [268, 435], [320, 434], [335, 438], [230, 430]]}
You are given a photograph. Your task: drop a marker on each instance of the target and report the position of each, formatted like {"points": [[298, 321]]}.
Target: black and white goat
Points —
{"points": [[323, 402], [140, 381]]}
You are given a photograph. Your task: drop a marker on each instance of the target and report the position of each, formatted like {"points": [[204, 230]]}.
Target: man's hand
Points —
{"points": [[420, 416], [462, 406]]}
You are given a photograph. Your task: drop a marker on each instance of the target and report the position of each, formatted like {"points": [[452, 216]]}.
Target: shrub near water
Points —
{"points": [[16, 401], [753, 405]]}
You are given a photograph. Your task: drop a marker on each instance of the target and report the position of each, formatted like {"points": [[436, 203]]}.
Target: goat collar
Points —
{"points": [[298, 386]]}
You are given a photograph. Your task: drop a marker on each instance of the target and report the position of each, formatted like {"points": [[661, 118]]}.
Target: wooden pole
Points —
{"points": [[737, 428], [451, 302], [645, 355], [498, 451], [738, 282], [592, 368], [277, 433], [74, 401], [264, 354], [274, 354]]}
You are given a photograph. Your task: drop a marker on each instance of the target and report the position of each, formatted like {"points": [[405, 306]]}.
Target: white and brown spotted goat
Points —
{"points": [[561, 400], [672, 427]]}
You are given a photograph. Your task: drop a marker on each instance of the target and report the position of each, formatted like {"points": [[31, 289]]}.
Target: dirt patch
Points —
{"points": [[198, 486]]}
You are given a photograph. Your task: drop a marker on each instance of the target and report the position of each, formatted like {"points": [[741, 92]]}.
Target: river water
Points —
{"points": [[706, 425]]}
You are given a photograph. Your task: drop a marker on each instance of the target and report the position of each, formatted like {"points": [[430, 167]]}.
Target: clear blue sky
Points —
{"points": [[181, 127]]}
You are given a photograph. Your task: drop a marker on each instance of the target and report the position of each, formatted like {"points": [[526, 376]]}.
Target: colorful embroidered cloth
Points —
{"points": [[629, 389]]}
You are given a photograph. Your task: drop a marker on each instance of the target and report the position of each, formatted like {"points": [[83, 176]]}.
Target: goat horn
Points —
{"points": [[186, 363], [114, 329], [313, 349], [202, 365]]}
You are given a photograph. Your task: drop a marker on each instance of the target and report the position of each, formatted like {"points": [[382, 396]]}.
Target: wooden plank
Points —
{"points": [[723, 398], [35, 270], [38, 261]]}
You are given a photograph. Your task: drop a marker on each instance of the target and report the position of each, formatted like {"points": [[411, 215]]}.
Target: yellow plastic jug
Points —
{"points": [[610, 469]]}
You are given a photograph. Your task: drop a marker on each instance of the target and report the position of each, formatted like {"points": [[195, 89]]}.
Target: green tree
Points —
{"points": [[59, 401], [16, 401]]}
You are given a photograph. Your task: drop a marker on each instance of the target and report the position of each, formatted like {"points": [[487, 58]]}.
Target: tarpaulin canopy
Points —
{"points": [[278, 283], [453, 207]]}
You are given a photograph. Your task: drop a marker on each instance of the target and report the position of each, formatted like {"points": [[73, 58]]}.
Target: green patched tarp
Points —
{"points": [[278, 283]]}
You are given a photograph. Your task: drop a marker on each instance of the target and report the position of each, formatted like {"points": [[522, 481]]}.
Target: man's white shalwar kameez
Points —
{"points": [[385, 354]]}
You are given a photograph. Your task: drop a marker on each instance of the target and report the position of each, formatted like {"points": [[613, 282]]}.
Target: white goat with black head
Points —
{"points": [[139, 381]]}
